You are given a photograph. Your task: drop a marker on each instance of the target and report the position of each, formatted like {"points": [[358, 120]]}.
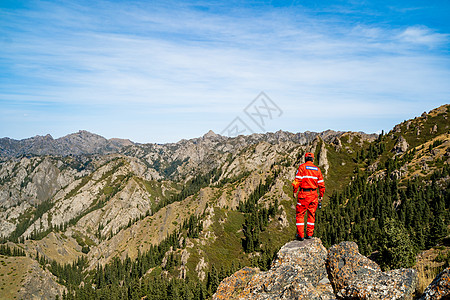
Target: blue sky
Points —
{"points": [[160, 71]]}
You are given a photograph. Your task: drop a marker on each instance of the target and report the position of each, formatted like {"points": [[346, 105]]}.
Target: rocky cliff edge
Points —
{"points": [[306, 270]]}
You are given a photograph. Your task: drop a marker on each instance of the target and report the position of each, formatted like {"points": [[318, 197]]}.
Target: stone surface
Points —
{"points": [[439, 288], [297, 273], [354, 276]]}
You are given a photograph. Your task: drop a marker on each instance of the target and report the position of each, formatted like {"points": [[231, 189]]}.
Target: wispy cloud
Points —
{"points": [[423, 36], [166, 59]]}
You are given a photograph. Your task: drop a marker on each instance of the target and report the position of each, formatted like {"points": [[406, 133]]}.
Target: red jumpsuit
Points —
{"points": [[307, 179]]}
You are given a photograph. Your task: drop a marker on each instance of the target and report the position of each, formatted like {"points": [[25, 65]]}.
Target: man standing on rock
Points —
{"points": [[307, 179]]}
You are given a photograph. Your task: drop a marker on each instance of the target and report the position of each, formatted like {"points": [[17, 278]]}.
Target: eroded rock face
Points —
{"points": [[354, 276], [298, 273], [439, 288]]}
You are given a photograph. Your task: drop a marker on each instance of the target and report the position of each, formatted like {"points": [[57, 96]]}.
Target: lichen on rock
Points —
{"points": [[439, 288], [354, 276]]}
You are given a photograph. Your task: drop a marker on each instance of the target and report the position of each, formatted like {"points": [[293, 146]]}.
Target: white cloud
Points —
{"points": [[423, 36], [169, 61]]}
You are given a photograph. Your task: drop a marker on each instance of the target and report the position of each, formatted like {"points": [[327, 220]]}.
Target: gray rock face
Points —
{"points": [[297, 273], [439, 288], [354, 276]]}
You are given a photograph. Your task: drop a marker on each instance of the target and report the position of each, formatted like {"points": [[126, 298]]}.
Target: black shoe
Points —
{"points": [[308, 237], [299, 238]]}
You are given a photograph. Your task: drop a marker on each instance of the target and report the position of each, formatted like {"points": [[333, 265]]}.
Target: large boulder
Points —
{"points": [[297, 273], [439, 288], [354, 276], [401, 145]]}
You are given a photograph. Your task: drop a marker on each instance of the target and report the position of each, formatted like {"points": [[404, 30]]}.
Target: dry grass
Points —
{"points": [[56, 247], [426, 274], [12, 274], [427, 268]]}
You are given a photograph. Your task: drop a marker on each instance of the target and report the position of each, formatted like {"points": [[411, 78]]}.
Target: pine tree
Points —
{"points": [[396, 247]]}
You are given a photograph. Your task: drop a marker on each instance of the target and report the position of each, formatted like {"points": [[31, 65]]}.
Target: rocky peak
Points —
{"points": [[210, 134], [83, 135], [443, 109], [121, 142], [46, 137]]}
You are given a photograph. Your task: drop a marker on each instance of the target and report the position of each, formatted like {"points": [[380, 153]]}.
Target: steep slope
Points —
{"points": [[23, 278], [27, 186]]}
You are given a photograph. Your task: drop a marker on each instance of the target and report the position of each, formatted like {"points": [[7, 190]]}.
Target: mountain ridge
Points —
{"points": [[85, 143]]}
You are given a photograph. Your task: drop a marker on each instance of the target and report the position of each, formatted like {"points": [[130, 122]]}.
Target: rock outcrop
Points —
{"points": [[439, 288], [354, 276], [323, 159], [304, 270], [297, 273], [401, 145]]}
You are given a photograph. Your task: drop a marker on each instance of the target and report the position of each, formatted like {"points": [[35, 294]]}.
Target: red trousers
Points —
{"points": [[307, 201]]}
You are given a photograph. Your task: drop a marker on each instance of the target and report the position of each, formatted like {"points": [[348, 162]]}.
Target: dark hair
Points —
{"points": [[309, 158]]}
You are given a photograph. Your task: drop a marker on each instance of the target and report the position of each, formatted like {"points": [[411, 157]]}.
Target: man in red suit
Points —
{"points": [[307, 180]]}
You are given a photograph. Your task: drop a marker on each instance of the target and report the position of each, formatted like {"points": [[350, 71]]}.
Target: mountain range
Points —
{"points": [[82, 142], [97, 217]]}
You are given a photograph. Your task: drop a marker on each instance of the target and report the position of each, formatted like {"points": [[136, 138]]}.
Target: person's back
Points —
{"points": [[307, 180]]}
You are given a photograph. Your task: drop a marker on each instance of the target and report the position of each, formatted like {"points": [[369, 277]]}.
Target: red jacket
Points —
{"points": [[309, 176]]}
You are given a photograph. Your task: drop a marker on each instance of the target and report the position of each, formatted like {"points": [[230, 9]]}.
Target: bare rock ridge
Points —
{"points": [[305, 270]]}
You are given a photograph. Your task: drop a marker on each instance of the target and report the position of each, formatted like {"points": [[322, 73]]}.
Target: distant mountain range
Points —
{"points": [[82, 142], [85, 142]]}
